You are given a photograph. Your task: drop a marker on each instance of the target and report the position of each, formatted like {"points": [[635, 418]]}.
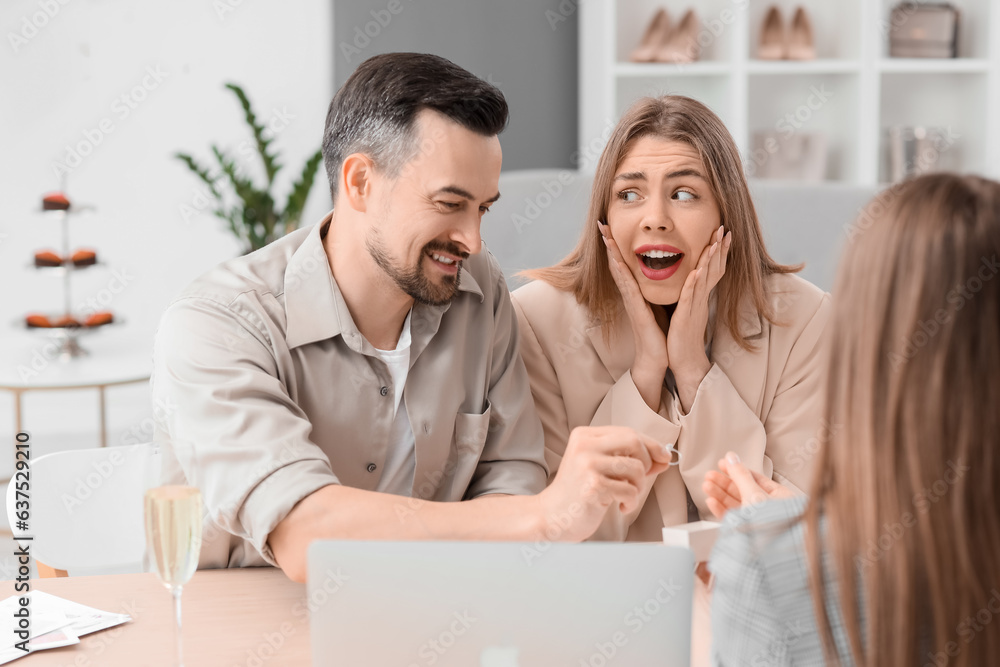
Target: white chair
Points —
{"points": [[86, 509]]}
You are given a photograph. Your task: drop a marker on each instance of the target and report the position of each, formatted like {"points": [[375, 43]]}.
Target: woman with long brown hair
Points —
{"points": [[895, 556], [670, 317]]}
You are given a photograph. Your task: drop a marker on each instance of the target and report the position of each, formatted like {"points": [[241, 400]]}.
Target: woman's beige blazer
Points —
{"points": [[766, 405]]}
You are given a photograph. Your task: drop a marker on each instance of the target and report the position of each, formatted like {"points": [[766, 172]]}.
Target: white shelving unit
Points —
{"points": [[852, 92]]}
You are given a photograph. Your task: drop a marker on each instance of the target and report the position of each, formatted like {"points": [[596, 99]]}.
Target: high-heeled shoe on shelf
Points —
{"points": [[655, 36], [772, 36], [801, 43], [682, 46]]}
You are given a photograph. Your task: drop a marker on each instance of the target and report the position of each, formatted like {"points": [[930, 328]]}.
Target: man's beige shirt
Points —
{"points": [[268, 392]]}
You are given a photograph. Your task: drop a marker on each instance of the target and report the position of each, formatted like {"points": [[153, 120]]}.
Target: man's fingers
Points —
{"points": [[616, 491], [660, 452], [623, 468], [625, 441]]}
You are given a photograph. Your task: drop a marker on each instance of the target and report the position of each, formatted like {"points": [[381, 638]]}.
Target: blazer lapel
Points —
{"points": [[618, 353], [746, 370]]}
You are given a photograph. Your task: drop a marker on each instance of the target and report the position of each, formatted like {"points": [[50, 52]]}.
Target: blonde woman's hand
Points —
{"points": [[686, 335], [734, 485], [650, 364]]}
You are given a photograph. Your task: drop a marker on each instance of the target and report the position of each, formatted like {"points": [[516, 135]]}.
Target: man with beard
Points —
{"points": [[353, 377]]}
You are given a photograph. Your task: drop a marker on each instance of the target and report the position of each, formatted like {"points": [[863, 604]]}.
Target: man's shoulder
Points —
{"points": [[261, 272], [249, 286]]}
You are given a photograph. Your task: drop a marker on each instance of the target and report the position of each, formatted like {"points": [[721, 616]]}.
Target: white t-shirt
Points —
{"points": [[400, 458]]}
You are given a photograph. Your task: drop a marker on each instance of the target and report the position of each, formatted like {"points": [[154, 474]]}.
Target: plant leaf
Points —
{"points": [[300, 192], [270, 161], [200, 171]]}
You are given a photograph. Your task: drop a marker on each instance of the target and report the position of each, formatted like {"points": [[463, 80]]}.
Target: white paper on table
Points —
{"points": [[84, 619], [43, 621], [55, 639], [51, 614]]}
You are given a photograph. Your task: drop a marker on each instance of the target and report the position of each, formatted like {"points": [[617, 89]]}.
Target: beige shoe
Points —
{"points": [[682, 45], [801, 43], [772, 36], [656, 34]]}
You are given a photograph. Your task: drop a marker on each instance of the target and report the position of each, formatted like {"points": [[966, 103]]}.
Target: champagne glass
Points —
{"points": [[173, 538]]}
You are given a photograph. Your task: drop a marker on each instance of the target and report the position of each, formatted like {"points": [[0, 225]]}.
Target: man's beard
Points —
{"points": [[413, 280]]}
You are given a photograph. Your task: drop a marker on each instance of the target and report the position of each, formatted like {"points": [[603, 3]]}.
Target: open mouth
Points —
{"points": [[444, 262], [658, 260]]}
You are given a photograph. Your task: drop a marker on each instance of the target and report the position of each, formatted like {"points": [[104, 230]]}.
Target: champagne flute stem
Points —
{"points": [[176, 592]]}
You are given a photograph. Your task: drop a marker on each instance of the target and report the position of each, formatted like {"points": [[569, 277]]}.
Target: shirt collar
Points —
{"points": [[314, 306]]}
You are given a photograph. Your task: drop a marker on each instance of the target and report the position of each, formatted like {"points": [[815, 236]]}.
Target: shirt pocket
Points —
{"points": [[471, 430]]}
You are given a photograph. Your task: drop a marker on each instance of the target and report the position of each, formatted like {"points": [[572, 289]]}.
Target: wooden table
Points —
{"points": [[252, 617]]}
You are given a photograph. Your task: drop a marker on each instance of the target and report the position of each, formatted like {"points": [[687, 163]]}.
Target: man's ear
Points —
{"points": [[356, 176]]}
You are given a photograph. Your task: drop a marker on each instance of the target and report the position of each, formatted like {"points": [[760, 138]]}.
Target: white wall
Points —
{"points": [[59, 82]]}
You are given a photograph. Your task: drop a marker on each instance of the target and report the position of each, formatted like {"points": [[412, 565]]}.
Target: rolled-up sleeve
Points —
{"points": [[513, 458], [229, 420]]}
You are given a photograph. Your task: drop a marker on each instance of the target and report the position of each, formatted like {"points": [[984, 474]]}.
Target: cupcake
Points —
{"points": [[98, 318], [55, 201], [47, 258], [37, 320], [84, 257]]}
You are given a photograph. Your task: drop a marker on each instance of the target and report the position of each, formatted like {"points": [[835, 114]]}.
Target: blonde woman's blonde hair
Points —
{"points": [[585, 272], [909, 472]]}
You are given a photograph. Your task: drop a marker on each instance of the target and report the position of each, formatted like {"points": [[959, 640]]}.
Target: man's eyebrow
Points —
{"points": [[465, 194]]}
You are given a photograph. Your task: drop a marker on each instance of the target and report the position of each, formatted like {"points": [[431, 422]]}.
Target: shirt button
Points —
{"points": [[372, 467], [383, 391]]}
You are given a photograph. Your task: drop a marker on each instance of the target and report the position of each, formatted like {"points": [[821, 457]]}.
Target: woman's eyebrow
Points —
{"points": [[631, 176], [641, 176], [685, 172]]}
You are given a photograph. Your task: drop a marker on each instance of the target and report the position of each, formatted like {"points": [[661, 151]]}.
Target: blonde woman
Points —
{"points": [[904, 514], [670, 317]]}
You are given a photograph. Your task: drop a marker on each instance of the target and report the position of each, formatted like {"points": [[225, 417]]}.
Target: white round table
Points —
{"points": [[117, 356]]}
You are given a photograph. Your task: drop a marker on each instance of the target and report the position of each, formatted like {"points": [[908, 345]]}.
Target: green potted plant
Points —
{"points": [[250, 211]]}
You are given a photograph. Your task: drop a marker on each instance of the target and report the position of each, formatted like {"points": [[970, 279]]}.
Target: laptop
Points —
{"points": [[499, 604]]}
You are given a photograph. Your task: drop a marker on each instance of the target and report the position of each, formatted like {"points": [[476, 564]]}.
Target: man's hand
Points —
{"points": [[734, 485], [602, 465]]}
